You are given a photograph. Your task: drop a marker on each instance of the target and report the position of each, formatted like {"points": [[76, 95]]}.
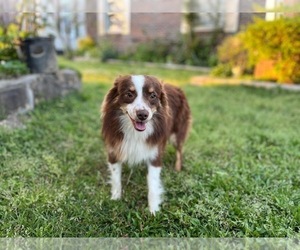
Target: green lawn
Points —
{"points": [[241, 174]]}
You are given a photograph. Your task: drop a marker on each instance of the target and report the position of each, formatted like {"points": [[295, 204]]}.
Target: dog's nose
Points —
{"points": [[142, 114]]}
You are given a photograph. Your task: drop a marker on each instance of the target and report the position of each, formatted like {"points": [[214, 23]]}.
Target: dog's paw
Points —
{"points": [[153, 212], [154, 209], [115, 195]]}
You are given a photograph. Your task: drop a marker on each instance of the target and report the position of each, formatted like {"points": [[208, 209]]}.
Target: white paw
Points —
{"points": [[115, 195], [154, 201], [153, 211]]}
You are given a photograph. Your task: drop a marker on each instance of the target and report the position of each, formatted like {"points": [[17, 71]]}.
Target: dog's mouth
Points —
{"points": [[138, 125]]}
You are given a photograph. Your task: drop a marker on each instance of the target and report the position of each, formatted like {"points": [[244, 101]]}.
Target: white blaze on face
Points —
{"points": [[138, 82], [139, 102]]}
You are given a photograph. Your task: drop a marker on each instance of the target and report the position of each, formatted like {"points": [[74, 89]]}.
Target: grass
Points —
{"points": [[241, 173]]}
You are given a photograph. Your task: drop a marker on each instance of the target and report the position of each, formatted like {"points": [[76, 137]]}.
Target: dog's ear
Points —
{"points": [[163, 96], [113, 92], [159, 85]]}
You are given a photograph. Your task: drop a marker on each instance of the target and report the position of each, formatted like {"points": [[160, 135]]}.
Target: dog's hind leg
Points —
{"points": [[174, 141], [178, 164], [180, 137]]}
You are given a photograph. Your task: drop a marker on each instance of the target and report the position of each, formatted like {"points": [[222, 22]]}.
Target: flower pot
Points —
{"points": [[40, 55]]}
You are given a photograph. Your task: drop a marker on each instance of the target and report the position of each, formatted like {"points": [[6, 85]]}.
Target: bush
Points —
{"points": [[232, 52], [85, 44], [8, 39], [12, 69], [198, 52], [278, 41], [162, 51], [105, 51], [152, 51], [222, 70]]}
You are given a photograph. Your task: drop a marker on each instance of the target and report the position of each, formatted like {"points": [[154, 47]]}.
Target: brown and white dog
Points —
{"points": [[139, 115]]}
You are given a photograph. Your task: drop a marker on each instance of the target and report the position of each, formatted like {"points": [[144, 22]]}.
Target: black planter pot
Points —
{"points": [[40, 54]]}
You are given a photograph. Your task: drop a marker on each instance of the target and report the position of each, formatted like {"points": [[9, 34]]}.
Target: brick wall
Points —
{"points": [[146, 26], [150, 19], [155, 19], [291, 2]]}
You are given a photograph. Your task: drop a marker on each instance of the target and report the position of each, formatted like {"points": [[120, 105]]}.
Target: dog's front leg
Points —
{"points": [[115, 180], [155, 188]]}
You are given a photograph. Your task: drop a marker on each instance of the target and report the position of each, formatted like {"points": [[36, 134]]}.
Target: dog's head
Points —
{"points": [[139, 97]]}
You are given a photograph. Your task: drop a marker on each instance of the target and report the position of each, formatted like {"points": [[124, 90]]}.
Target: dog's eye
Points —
{"points": [[153, 96], [129, 95]]}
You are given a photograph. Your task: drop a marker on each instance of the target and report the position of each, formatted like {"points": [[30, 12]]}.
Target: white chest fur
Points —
{"points": [[134, 148]]}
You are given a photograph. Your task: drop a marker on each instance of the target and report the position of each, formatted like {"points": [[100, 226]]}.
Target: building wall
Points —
{"points": [[91, 17], [8, 12], [155, 19], [156, 6], [247, 11], [149, 19], [291, 2], [146, 26], [292, 12]]}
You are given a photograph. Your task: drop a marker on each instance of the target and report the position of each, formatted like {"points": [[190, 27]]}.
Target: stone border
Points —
{"points": [[272, 85], [20, 95], [213, 81]]}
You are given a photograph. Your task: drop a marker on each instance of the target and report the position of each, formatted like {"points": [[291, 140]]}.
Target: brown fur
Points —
{"points": [[172, 116]]}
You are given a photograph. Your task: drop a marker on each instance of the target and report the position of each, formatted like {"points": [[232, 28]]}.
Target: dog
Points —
{"points": [[139, 115]]}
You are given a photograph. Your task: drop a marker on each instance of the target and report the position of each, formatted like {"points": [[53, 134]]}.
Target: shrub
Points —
{"points": [[162, 51], [152, 51], [105, 50], [196, 52], [222, 70], [12, 69], [278, 41], [8, 38], [85, 44], [232, 52]]}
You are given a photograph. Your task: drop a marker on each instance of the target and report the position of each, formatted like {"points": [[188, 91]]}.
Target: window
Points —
{"points": [[115, 17], [213, 14], [272, 5]]}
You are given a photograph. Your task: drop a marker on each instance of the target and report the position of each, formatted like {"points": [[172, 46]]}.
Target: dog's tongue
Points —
{"points": [[140, 126]]}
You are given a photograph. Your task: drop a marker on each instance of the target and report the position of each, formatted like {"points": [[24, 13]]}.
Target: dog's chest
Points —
{"points": [[135, 152], [134, 147]]}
